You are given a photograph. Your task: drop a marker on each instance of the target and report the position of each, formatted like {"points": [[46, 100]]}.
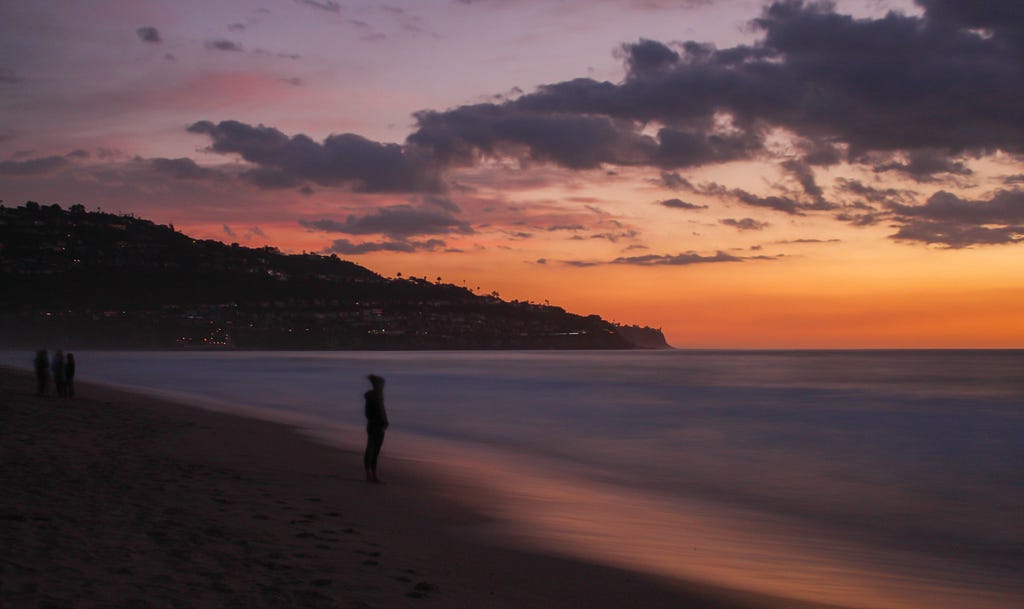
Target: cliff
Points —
{"points": [[90, 279]]}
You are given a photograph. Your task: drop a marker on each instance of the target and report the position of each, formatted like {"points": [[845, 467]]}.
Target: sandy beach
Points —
{"points": [[114, 499]]}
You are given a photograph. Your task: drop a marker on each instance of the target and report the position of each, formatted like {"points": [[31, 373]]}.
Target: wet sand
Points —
{"points": [[114, 499]]}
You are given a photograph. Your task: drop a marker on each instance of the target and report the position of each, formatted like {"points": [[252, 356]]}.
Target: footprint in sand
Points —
{"points": [[422, 589], [366, 553]]}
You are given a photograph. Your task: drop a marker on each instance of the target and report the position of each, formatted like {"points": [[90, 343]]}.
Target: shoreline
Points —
{"points": [[119, 499]]}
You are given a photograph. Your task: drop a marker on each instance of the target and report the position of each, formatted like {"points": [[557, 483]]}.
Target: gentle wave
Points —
{"points": [[875, 479]]}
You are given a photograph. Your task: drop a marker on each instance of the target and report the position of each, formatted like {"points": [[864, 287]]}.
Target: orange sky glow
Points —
{"points": [[727, 171]]}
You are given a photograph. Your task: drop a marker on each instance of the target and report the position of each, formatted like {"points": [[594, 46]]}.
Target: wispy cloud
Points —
{"points": [[680, 204], [149, 34], [222, 44], [34, 166], [684, 259], [394, 221], [744, 224], [330, 6], [347, 248]]}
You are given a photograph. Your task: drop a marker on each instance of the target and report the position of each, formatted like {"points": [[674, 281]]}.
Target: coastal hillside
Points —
{"points": [[90, 279]]}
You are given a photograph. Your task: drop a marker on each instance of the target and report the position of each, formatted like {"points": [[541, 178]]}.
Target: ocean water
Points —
{"points": [[888, 479]]}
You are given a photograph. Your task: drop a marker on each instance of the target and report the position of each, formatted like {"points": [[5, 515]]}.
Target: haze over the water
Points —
{"points": [[740, 173], [889, 480]]}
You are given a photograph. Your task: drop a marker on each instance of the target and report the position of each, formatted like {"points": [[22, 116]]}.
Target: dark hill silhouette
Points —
{"points": [[93, 279]]}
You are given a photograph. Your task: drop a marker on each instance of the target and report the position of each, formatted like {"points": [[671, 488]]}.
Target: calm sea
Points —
{"points": [[889, 479]]}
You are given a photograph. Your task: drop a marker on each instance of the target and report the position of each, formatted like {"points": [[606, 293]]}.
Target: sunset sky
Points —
{"points": [[738, 173]]}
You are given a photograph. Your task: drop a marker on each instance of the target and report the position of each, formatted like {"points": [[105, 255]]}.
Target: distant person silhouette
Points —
{"points": [[57, 368], [69, 375], [42, 365], [376, 423]]}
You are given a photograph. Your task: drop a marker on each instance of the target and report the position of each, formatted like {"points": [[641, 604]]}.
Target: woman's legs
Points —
{"points": [[374, 442]]}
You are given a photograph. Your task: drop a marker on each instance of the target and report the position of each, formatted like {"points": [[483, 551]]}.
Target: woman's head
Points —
{"points": [[376, 381]]}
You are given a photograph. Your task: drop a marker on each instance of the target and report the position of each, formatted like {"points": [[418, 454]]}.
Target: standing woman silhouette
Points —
{"points": [[69, 375], [376, 423]]}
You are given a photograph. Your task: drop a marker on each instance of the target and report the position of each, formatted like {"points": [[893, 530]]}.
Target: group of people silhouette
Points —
{"points": [[61, 368]]}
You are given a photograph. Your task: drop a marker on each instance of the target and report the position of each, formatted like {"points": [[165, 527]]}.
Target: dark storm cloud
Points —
{"points": [[573, 139], [924, 165], [223, 45], [803, 174], [181, 168], [872, 194], [441, 203], [897, 83], [650, 56], [1017, 179], [394, 221], [674, 181], [821, 153], [922, 92], [744, 223], [865, 219], [271, 179], [462, 135], [955, 235], [784, 204], [33, 167], [696, 147], [946, 219], [1005, 207], [781, 203], [680, 204], [987, 14], [346, 159], [149, 34], [347, 248]]}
